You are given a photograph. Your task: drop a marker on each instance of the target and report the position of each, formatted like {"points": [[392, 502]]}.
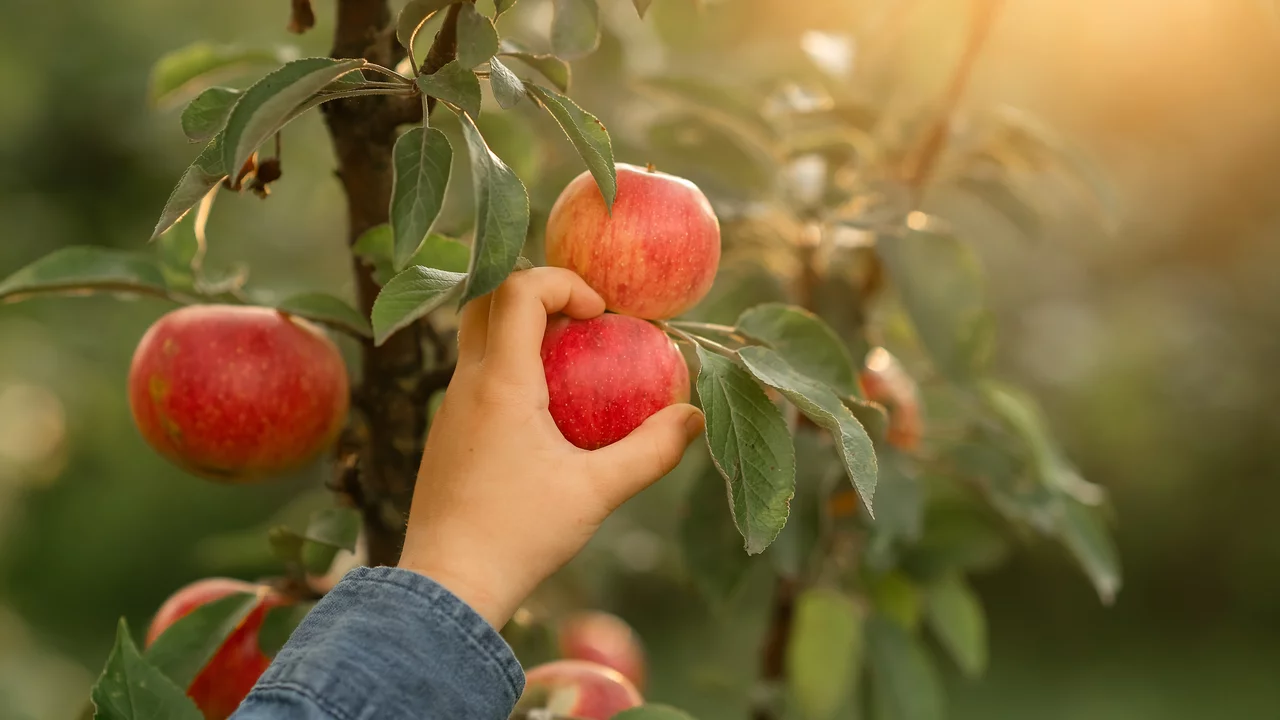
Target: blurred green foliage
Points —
{"points": [[1153, 347]]}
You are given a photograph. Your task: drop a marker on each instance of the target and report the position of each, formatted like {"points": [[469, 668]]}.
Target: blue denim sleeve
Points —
{"points": [[389, 644]]}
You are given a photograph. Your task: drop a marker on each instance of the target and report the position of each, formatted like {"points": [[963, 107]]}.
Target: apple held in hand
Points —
{"points": [[605, 639], [885, 381], [654, 257], [607, 375], [578, 689], [225, 682], [237, 393]]}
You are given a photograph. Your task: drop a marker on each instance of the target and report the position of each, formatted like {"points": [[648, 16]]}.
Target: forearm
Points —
{"points": [[392, 644]]}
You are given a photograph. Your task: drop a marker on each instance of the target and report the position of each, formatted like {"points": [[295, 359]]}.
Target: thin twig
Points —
{"points": [[711, 345], [726, 330], [921, 167], [389, 73]]}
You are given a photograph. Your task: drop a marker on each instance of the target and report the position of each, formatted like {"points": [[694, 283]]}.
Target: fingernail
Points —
{"points": [[694, 425]]}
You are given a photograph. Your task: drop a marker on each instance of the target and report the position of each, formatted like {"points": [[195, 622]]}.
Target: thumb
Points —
{"points": [[649, 452]]}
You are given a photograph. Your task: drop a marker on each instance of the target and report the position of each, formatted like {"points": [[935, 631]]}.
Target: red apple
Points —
{"points": [[885, 381], [654, 257], [608, 374], [237, 393], [605, 639], [223, 684], [578, 689]]}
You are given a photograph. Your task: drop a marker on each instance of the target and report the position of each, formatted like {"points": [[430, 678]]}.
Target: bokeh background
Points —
{"points": [[1154, 347]]}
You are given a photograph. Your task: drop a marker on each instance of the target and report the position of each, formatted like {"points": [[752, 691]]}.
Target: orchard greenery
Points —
{"points": [[830, 251]]}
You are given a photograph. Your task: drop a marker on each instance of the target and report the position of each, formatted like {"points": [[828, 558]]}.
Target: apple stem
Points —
{"points": [[711, 345], [726, 330]]}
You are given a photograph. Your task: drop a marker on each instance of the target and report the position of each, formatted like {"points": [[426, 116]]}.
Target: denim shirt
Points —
{"points": [[389, 644]]}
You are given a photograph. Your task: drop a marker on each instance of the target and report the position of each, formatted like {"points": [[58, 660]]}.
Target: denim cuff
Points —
{"points": [[390, 643]]}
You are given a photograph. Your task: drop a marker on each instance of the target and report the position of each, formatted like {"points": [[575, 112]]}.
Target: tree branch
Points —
{"points": [[364, 132], [918, 171]]}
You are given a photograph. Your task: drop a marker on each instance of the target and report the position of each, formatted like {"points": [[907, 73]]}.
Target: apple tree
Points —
{"points": [[857, 442]]}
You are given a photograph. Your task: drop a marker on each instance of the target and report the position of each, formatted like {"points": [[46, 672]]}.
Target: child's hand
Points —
{"points": [[502, 499]]}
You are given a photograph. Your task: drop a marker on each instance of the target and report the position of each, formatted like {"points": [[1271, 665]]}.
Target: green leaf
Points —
{"points": [[940, 284], [896, 597], [317, 558], [711, 544], [455, 85], [954, 613], [477, 37], [269, 103], [327, 310], [207, 114], [85, 268], [552, 68], [375, 244], [203, 175], [653, 712], [750, 447], [409, 296], [501, 6], [575, 29], [956, 538], [413, 16], [899, 509], [642, 6], [502, 216], [824, 656], [792, 553], [443, 253], [278, 624], [336, 526], [1021, 414], [184, 72], [179, 254], [437, 251], [822, 406], [1086, 537], [999, 194], [588, 136], [131, 689], [904, 681], [183, 649], [287, 546], [806, 342], [716, 104], [422, 157], [508, 90]]}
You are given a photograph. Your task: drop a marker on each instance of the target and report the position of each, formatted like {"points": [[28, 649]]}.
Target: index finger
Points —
{"points": [[518, 317]]}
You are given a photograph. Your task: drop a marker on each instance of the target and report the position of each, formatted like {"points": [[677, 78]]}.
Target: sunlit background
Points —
{"points": [[1154, 345]]}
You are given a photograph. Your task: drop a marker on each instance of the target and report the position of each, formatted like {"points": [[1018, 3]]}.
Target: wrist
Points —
{"points": [[492, 601]]}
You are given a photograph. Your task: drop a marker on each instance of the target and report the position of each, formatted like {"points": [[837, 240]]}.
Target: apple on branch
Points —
{"points": [[226, 680], [607, 375], [655, 256], [578, 689], [605, 639], [237, 393]]}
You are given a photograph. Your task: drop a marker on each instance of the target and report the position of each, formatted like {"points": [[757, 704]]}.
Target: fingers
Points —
{"points": [[473, 330], [518, 317], [649, 452]]}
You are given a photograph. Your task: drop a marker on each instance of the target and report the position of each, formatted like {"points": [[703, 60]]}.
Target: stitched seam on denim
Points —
{"points": [[306, 692], [436, 592]]}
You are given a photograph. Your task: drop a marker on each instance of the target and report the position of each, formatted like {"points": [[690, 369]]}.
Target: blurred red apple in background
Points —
{"points": [[578, 689], [885, 381], [223, 684], [608, 374], [605, 639], [237, 393], [654, 257]]}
